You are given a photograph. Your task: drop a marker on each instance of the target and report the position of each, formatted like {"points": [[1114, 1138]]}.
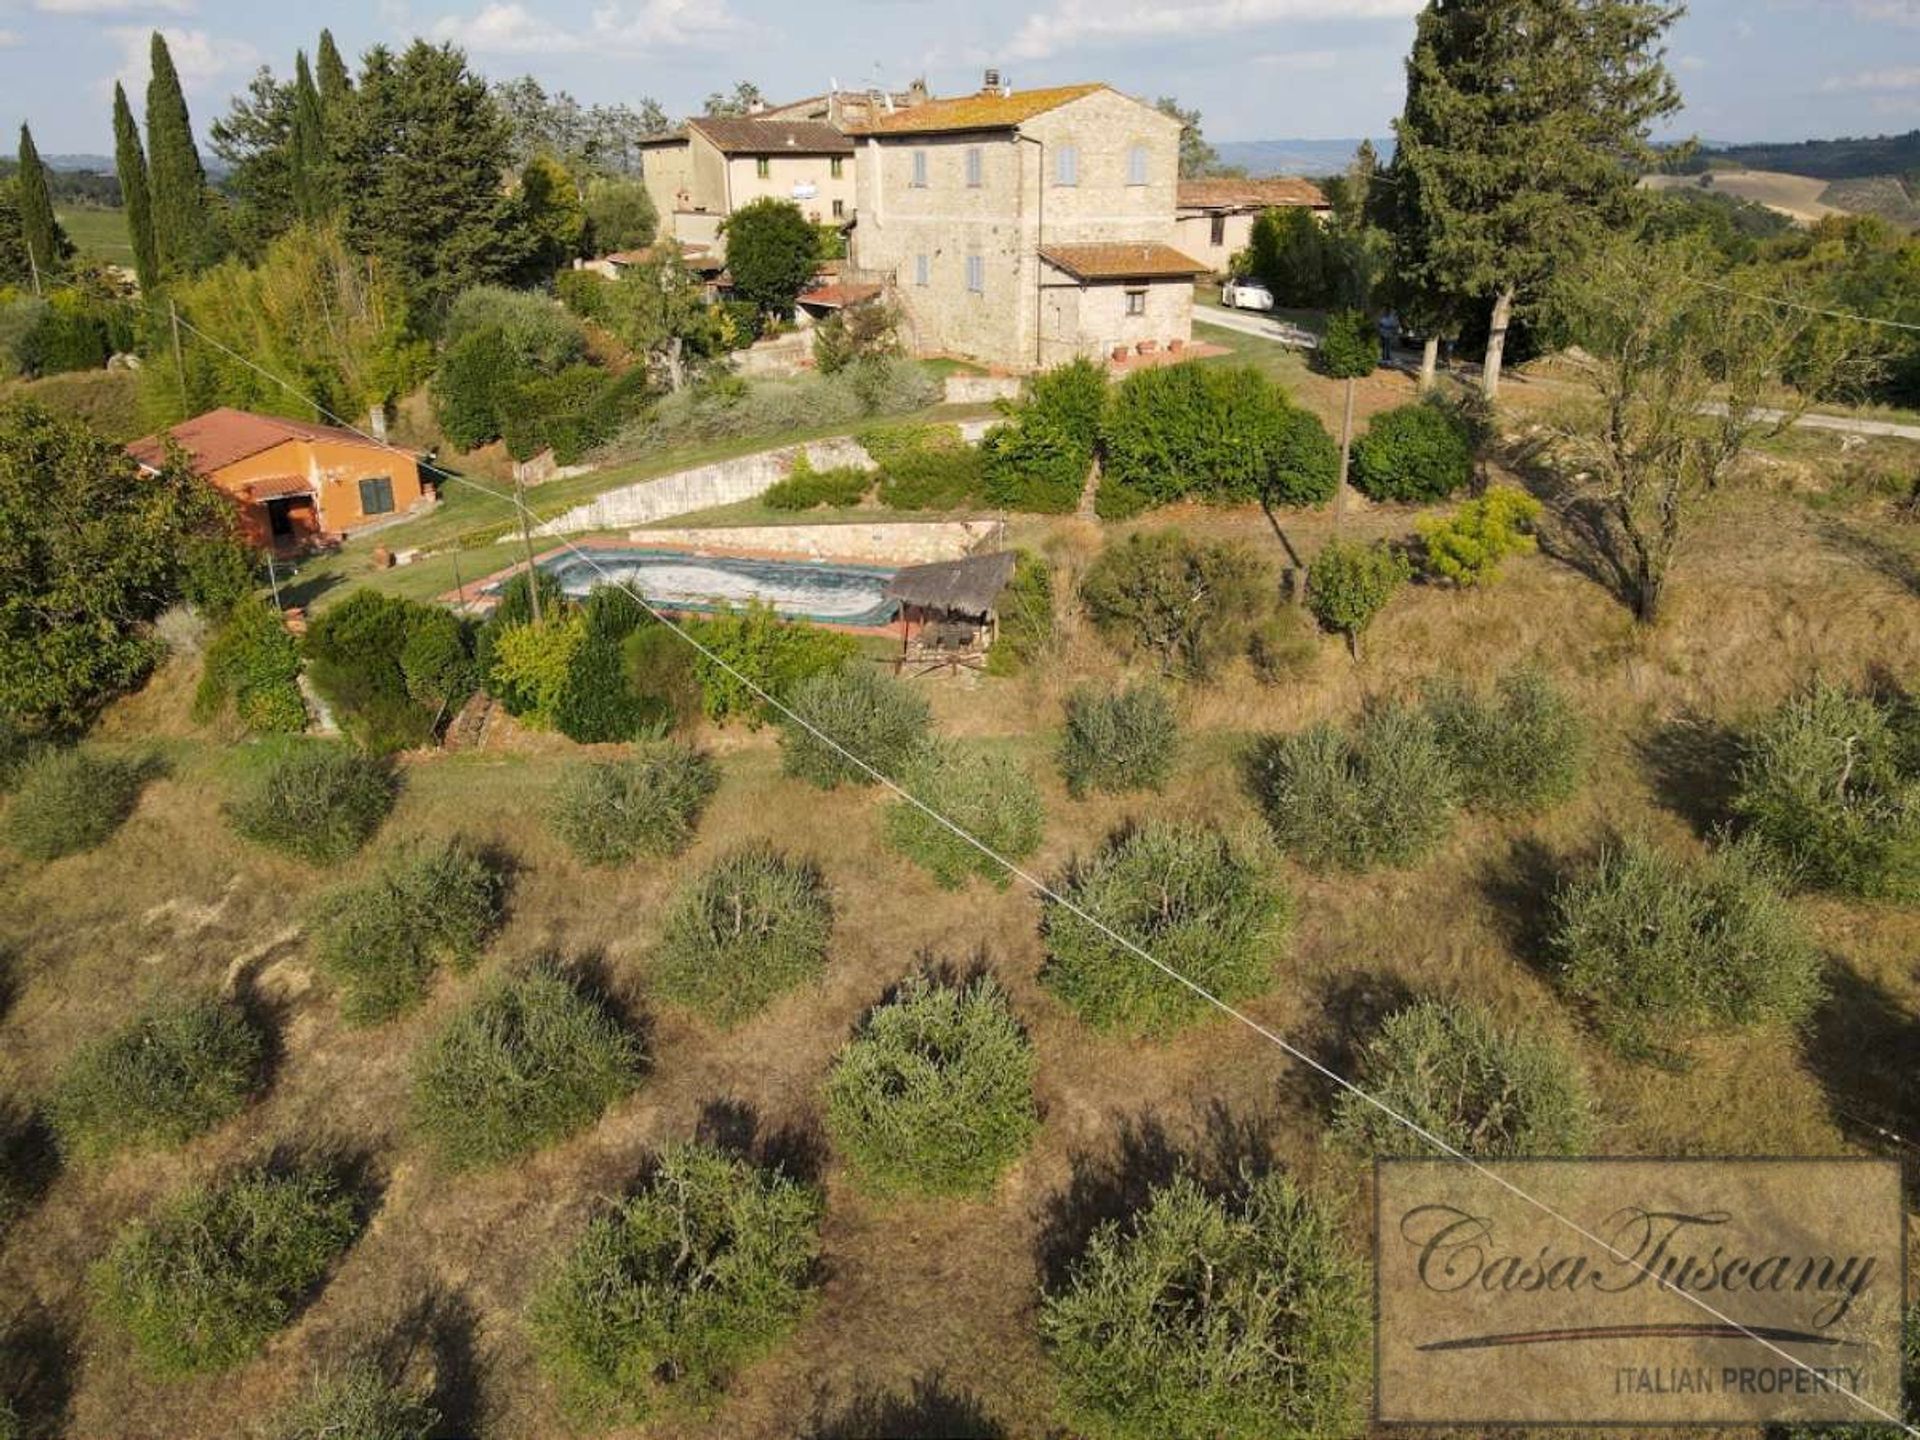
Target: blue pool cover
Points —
{"points": [[833, 593]]}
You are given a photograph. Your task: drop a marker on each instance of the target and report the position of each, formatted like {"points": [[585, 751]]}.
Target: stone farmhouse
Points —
{"points": [[1023, 228], [710, 167], [1214, 218]]}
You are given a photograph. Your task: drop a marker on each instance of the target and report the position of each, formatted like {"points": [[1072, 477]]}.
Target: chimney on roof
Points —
{"points": [[992, 82], [756, 106]]}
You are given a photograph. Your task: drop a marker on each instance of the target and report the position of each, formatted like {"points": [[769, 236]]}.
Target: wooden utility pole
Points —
{"points": [[1346, 449], [526, 543], [179, 364]]}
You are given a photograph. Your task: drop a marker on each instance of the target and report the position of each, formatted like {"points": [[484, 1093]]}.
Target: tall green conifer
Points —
{"points": [[182, 223], [130, 161], [46, 246]]}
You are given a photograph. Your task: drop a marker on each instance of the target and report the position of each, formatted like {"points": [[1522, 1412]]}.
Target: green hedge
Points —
{"points": [[530, 1061], [806, 488], [172, 1073], [1196, 1319], [1026, 616], [775, 655], [1483, 1089], [253, 663], [201, 1285], [1418, 453], [1190, 898], [674, 1290], [934, 1095], [1349, 583], [393, 671], [1039, 459], [598, 702], [746, 930]]}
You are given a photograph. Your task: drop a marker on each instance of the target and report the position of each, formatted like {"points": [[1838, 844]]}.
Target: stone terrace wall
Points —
{"points": [[724, 482]]}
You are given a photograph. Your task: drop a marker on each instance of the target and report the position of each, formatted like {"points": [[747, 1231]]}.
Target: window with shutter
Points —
{"points": [[1066, 165], [975, 166], [763, 167], [836, 167], [977, 274], [920, 169], [1137, 165], [376, 495], [922, 270]]}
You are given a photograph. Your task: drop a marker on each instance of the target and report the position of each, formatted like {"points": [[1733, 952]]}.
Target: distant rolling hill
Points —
{"points": [[1295, 157]]}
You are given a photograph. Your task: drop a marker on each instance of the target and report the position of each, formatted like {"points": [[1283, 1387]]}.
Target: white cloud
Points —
{"points": [[200, 57], [1299, 60], [1892, 12], [1898, 78], [1692, 64], [1080, 22], [9, 38], [506, 27], [114, 7]]}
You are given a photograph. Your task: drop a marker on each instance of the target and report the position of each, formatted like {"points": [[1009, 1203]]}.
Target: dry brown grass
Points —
{"points": [[912, 1290]]}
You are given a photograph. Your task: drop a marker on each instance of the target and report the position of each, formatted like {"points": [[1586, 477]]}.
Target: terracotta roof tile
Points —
{"points": [[772, 137], [277, 486], [1233, 194], [1121, 261], [218, 438], [989, 110], [837, 296]]}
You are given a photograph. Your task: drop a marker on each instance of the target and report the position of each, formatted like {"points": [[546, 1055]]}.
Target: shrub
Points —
{"points": [[17, 747], [1469, 546], [613, 811], [1384, 795], [1039, 459], [1026, 616], [775, 655], [530, 1061], [358, 657], [855, 335], [1187, 604], [571, 412], [67, 801], [1188, 897], [748, 929], [171, 1074], [1304, 465], [358, 1401], [1484, 1090], [935, 1094], [660, 673], [1521, 750], [806, 488], [939, 477], [1196, 1321], [677, 1288], [1118, 740], [532, 663], [536, 332], [1281, 647], [1349, 583], [380, 941], [731, 408], [597, 703], [1827, 784], [513, 608], [1350, 348], [991, 797], [1415, 452], [254, 664], [1193, 430], [875, 717], [1661, 950], [317, 801], [204, 1283], [771, 254]]}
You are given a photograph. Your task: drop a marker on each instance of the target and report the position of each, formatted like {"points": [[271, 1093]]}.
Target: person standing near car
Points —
{"points": [[1389, 327]]}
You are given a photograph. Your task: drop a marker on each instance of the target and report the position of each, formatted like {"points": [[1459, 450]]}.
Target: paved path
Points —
{"points": [[1282, 332]]}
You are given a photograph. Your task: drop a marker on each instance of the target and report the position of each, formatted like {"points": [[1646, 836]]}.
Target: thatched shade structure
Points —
{"points": [[950, 606]]}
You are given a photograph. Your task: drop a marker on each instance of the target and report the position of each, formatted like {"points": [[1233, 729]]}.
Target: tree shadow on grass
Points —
{"points": [[1860, 1046], [928, 1409], [1576, 530], [1117, 1181], [435, 1342], [1520, 886], [1352, 1008], [1896, 562], [1693, 764], [29, 1160], [37, 1364], [736, 1127]]}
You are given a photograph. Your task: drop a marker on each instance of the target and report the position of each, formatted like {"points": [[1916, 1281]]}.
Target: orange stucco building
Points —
{"points": [[294, 483]]}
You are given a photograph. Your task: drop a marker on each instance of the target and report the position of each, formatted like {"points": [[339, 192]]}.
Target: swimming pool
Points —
{"points": [[833, 593]]}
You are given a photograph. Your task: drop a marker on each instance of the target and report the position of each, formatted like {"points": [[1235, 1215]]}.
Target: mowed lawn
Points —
{"points": [[98, 231], [927, 1308]]}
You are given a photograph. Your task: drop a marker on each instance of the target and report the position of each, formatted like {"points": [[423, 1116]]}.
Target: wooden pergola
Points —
{"points": [[948, 610]]}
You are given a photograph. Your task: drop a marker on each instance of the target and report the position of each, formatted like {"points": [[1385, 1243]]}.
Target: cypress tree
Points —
{"points": [[130, 160], [311, 198], [1526, 127], [40, 232], [179, 183], [336, 85]]}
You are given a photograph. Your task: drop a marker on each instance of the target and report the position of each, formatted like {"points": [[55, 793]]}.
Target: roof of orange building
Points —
{"points": [[1225, 193], [221, 437], [989, 110], [1121, 261]]}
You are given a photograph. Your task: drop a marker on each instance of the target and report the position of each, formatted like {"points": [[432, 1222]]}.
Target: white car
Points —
{"points": [[1246, 295]]}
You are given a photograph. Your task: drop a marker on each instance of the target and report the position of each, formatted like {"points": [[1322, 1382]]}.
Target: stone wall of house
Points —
{"points": [[724, 482], [905, 543], [1101, 321]]}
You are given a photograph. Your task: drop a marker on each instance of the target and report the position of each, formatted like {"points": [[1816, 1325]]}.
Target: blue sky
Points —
{"points": [[1751, 69]]}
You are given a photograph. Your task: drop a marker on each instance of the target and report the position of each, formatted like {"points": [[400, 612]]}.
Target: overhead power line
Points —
{"points": [[1047, 892]]}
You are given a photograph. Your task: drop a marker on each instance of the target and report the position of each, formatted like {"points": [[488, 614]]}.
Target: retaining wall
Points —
{"points": [[981, 389], [897, 542], [724, 482]]}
